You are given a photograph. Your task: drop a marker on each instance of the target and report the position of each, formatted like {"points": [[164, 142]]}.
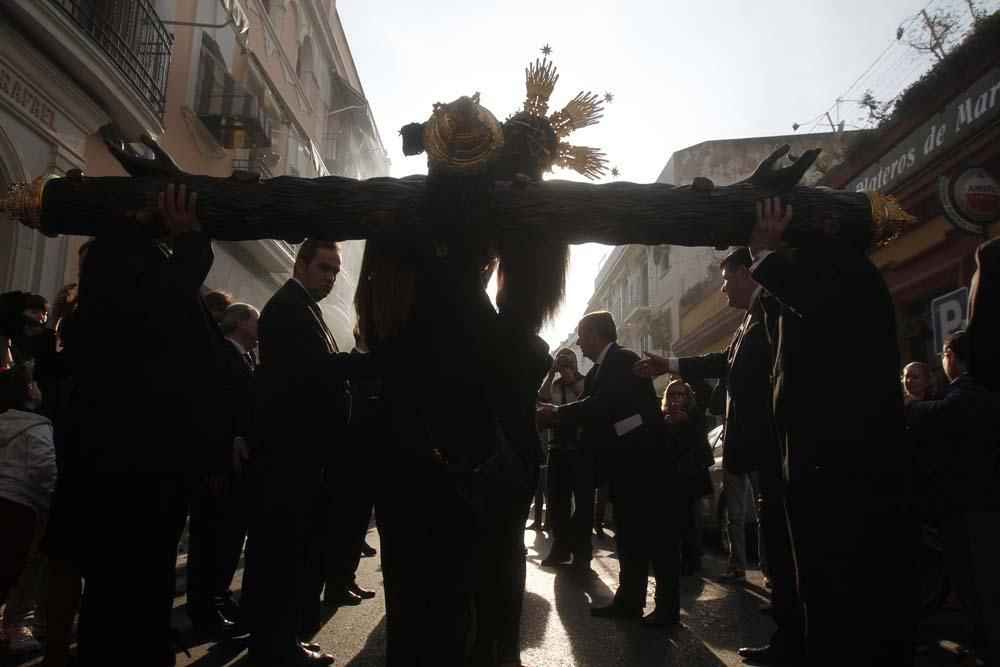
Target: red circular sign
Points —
{"points": [[977, 195]]}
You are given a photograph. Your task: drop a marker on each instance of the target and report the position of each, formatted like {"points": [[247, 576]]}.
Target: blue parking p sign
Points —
{"points": [[948, 312]]}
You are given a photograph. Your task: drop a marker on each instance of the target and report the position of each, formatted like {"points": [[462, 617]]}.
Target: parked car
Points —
{"points": [[714, 513]]}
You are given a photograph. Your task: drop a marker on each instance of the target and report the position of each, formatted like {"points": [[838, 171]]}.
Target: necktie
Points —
{"points": [[248, 359], [314, 307]]}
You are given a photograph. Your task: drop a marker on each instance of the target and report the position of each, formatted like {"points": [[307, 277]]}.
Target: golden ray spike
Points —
{"points": [[588, 161], [583, 110], [539, 80]]}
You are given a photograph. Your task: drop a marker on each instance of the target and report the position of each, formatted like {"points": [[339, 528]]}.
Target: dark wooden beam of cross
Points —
{"points": [[243, 207]]}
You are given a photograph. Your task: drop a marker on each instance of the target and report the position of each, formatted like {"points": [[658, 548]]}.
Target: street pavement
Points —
{"points": [[557, 629]]}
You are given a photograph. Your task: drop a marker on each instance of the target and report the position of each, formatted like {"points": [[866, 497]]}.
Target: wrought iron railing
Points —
{"points": [[253, 164], [131, 35]]}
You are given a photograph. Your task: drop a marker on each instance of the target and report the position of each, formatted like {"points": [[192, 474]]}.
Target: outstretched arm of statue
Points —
{"points": [[243, 207]]}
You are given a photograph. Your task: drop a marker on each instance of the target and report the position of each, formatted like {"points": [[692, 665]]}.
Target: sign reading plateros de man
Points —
{"points": [[975, 108]]}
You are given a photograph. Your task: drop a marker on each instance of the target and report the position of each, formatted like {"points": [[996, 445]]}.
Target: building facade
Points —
{"points": [[666, 299], [259, 85], [941, 160]]}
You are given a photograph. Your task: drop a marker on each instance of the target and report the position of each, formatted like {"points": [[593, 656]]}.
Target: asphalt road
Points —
{"points": [[557, 629]]}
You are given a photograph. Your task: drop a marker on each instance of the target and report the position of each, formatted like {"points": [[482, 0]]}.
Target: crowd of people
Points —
{"points": [[255, 429]]}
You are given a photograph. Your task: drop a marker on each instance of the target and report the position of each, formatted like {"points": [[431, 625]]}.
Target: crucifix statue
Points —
{"points": [[482, 174]]}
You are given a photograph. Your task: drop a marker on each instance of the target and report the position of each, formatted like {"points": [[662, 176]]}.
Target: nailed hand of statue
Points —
{"points": [[766, 176], [136, 165]]}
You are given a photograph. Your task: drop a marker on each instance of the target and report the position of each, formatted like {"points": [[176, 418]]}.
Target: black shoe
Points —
{"points": [[768, 655], [342, 598], [367, 550], [614, 610], [536, 526], [601, 535], [362, 593], [554, 559], [213, 624], [659, 619], [310, 646], [582, 564], [303, 657]]}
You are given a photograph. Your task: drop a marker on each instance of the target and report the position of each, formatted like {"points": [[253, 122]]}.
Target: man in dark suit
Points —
{"points": [[303, 405], [838, 415], [147, 369], [619, 417], [965, 427], [218, 523], [748, 442]]}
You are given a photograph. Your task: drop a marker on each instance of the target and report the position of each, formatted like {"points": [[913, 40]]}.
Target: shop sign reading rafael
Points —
{"points": [[970, 199], [975, 108], [22, 95]]}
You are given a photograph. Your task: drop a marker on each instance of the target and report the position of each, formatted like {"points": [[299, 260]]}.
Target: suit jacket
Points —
{"points": [[836, 402], [303, 395], [964, 427], [147, 356], [745, 366], [984, 316], [238, 402], [614, 395]]}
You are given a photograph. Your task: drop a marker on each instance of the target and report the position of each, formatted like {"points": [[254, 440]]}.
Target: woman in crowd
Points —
{"points": [[27, 473], [571, 474], [917, 382], [686, 422]]}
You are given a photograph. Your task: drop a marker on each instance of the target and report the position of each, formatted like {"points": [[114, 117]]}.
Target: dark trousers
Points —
{"points": [[130, 553], [282, 561], [218, 528], [427, 593], [500, 592], [647, 507], [348, 499], [19, 525], [692, 530], [787, 609], [971, 542], [850, 540], [571, 476]]}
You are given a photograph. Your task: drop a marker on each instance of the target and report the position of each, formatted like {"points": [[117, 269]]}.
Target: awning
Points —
{"points": [[238, 17], [234, 117], [349, 98]]}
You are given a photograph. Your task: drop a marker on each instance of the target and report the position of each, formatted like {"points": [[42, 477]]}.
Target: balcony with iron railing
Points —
{"points": [[635, 305], [133, 38], [256, 165]]}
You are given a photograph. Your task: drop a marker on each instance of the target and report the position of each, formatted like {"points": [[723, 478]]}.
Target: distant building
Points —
{"points": [[261, 85], [666, 299]]}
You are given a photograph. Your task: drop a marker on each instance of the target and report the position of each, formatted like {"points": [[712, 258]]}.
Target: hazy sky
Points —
{"points": [[681, 72]]}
